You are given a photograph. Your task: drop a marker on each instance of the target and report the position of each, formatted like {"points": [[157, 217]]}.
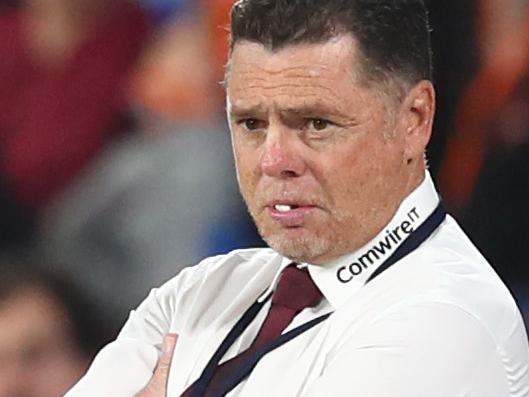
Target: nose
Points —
{"points": [[282, 156]]}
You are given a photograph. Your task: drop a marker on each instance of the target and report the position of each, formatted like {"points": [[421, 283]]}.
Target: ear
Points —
{"points": [[417, 113]]}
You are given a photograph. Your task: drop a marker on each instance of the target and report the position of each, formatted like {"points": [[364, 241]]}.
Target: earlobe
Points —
{"points": [[419, 109]]}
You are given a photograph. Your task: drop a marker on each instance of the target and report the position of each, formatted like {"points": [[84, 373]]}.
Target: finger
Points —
{"points": [[158, 384], [164, 364]]}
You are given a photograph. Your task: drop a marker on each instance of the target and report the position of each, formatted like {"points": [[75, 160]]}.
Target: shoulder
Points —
{"points": [[221, 277], [455, 304], [242, 261], [431, 348], [448, 274], [203, 290], [465, 279]]}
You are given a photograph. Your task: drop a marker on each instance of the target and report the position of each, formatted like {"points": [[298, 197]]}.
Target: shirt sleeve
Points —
{"points": [[434, 350]]}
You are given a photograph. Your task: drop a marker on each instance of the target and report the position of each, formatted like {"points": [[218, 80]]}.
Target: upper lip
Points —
{"points": [[291, 202]]}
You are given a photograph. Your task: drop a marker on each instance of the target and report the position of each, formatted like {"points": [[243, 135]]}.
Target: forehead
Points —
{"points": [[334, 58], [323, 72]]}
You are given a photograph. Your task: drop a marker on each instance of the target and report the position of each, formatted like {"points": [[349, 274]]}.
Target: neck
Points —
{"points": [[415, 178]]}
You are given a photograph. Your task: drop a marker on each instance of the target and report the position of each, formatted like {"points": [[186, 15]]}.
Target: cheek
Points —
{"points": [[247, 167], [355, 170], [354, 160]]}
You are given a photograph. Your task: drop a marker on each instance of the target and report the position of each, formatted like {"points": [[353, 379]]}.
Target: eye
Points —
{"points": [[319, 124], [251, 124], [317, 128]]}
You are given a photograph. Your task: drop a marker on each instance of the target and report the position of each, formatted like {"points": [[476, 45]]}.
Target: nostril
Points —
{"points": [[288, 173]]}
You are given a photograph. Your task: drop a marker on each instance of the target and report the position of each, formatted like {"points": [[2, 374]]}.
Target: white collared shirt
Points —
{"points": [[438, 323]]}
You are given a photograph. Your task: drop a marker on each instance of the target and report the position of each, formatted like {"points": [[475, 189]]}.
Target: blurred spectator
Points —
{"points": [[6, 4], [163, 197], [150, 206], [64, 65], [497, 19], [175, 78], [484, 177], [181, 72], [504, 64], [161, 11], [48, 333]]}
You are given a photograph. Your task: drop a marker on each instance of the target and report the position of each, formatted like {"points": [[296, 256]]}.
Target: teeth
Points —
{"points": [[282, 207]]}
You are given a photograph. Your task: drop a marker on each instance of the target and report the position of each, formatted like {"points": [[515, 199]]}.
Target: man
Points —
{"points": [[49, 333], [330, 105]]}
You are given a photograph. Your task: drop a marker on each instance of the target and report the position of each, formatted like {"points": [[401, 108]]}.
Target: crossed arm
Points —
{"points": [[445, 352], [158, 383]]}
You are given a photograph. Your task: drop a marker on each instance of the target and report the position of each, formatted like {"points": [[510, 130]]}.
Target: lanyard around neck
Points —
{"points": [[416, 238]]}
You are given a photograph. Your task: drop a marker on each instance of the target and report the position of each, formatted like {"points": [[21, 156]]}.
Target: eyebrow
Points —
{"points": [[305, 109], [241, 111], [319, 109], [315, 108]]}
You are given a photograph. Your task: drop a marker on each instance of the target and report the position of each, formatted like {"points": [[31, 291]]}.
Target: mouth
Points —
{"points": [[283, 208], [290, 214]]}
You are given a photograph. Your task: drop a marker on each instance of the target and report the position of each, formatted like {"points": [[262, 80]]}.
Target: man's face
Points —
{"points": [[321, 158], [37, 354]]}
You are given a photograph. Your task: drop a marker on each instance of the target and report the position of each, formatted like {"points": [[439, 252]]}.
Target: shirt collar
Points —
{"points": [[285, 262], [339, 279]]}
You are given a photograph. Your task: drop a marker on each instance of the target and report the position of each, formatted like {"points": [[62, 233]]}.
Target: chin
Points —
{"points": [[300, 248]]}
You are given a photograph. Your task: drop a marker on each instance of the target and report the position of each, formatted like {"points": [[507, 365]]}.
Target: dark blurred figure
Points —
{"points": [[485, 174], [49, 333], [455, 61], [64, 67], [4, 4], [165, 196]]}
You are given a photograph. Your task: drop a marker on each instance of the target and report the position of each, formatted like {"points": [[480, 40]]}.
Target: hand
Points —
{"points": [[158, 383]]}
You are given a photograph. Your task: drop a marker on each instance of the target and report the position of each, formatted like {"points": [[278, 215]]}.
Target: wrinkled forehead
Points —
{"points": [[332, 70], [338, 55]]}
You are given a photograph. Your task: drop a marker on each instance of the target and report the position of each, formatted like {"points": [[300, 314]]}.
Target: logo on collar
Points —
{"points": [[388, 243]]}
